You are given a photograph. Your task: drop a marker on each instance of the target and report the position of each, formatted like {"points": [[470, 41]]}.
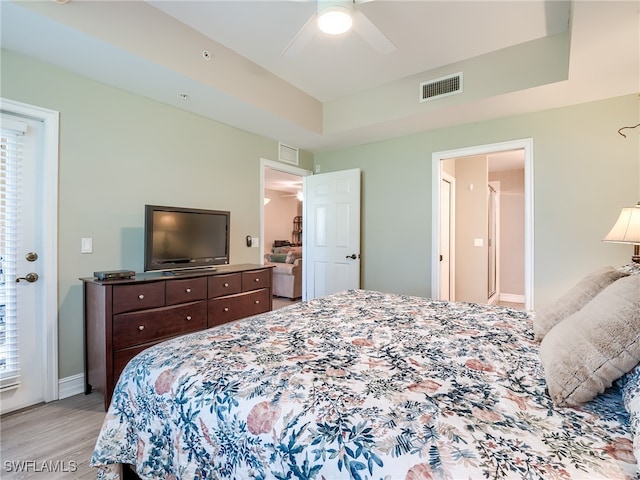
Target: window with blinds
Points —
{"points": [[11, 134]]}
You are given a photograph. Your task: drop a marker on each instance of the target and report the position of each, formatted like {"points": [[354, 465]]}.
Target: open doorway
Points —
{"points": [[282, 206], [489, 257], [283, 202]]}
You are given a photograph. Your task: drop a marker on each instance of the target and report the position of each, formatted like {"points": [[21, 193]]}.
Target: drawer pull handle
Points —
{"points": [[256, 280], [256, 302], [188, 317], [188, 290], [226, 285], [226, 309], [141, 297], [141, 327]]}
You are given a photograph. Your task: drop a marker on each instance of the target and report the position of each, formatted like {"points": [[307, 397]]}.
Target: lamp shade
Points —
{"points": [[627, 227]]}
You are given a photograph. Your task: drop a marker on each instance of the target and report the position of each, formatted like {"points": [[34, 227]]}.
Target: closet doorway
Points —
{"points": [[489, 179]]}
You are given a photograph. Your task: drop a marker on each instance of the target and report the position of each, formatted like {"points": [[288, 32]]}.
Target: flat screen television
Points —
{"points": [[177, 238]]}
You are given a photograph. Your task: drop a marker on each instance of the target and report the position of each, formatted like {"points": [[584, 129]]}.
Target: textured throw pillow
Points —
{"points": [[547, 317], [293, 256], [589, 350], [630, 389]]}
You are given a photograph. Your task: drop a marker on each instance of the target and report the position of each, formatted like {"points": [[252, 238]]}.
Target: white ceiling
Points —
{"points": [[282, 181], [427, 35], [517, 57]]}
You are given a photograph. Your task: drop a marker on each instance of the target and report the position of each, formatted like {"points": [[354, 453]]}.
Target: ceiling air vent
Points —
{"points": [[441, 87]]}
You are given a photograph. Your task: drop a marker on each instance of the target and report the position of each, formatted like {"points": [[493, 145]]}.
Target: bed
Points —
{"points": [[359, 385]]}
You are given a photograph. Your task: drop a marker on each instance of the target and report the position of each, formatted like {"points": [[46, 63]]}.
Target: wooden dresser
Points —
{"points": [[124, 317]]}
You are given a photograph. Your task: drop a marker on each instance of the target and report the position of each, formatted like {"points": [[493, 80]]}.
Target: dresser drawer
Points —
{"points": [[124, 317], [255, 279], [187, 290], [127, 298], [233, 307], [225, 284], [135, 328]]}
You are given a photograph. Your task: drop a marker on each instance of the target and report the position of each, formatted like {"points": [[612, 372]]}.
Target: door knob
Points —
{"points": [[353, 256], [29, 277]]}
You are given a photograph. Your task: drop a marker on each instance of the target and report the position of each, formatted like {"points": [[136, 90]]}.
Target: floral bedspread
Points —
{"points": [[358, 385]]}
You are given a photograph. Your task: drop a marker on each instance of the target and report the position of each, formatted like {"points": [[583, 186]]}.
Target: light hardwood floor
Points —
{"points": [[517, 306], [279, 302], [58, 435], [51, 441]]}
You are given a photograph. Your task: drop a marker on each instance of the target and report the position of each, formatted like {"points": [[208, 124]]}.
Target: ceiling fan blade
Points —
{"points": [[302, 38], [372, 34]]}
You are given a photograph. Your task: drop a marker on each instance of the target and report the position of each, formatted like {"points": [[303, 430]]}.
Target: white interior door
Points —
{"points": [[28, 334], [446, 238], [331, 228]]}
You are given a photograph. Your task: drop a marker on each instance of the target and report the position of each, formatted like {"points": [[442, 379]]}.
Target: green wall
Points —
{"points": [[120, 151], [584, 172]]}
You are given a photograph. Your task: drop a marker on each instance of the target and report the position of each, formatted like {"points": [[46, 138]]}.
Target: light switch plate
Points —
{"points": [[478, 242], [86, 245]]}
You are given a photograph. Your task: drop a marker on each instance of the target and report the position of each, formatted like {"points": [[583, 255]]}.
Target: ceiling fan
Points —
{"points": [[335, 17], [298, 195]]}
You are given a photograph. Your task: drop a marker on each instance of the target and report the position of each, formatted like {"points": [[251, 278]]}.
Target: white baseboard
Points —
{"points": [[69, 386], [511, 298]]}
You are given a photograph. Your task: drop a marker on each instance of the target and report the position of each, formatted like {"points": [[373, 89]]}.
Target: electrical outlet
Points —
{"points": [[255, 242], [317, 168]]}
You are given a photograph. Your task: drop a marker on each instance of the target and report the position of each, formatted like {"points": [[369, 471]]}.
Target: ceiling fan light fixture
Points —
{"points": [[334, 20]]}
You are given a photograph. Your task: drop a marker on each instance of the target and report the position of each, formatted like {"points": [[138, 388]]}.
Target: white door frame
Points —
{"points": [[452, 235], [496, 187], [49, 228], [525, 144], [283, 167]]}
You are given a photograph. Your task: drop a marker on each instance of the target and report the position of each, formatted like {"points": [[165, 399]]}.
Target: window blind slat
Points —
{"points": [[12, 127], [10, 162]]}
